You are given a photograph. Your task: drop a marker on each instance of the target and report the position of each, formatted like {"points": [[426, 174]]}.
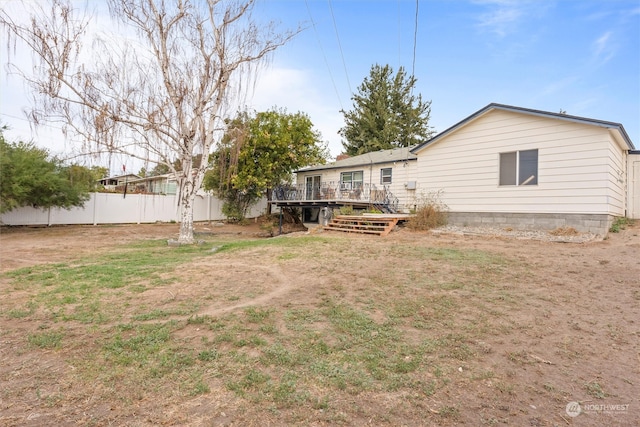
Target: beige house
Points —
{"points": [[383, 180], [511, 166], [393, 170], [502, 166]]}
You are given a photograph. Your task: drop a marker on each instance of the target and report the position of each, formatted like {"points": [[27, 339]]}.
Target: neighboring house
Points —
{"points": [[112, 182], [511, 166], [159, 184], [502, 166]]}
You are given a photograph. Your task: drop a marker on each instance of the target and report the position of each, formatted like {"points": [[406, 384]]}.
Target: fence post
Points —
{"points": [[95, 208]]}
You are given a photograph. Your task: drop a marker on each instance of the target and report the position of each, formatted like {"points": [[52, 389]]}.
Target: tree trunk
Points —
{"points": [[187, 199], [186, 221]]}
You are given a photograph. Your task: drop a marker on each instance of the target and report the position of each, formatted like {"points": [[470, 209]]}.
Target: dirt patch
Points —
{"points": [[558, 323]]}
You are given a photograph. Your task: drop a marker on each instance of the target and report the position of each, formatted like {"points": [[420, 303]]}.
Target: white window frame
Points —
{"points": [[349, 184], [383, 176], [519, 182]]}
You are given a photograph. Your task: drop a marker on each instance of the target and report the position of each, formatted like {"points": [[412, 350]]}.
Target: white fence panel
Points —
{"points": [[258, 209], [156, 207], [82, 215], [110, 208], [202, 208], [25, 216], [116, 209], [207, 208]]}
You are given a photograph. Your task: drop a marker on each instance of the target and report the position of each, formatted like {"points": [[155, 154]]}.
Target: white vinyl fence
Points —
{"points": [[110, 208]]}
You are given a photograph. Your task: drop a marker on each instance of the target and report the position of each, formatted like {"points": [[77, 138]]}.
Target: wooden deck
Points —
{"points": [[330, 203], [335, 195]]}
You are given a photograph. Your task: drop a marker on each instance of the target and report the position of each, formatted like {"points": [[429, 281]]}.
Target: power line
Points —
{"points": [[15, 117], [415, 42], [324, 56], [399, 35], [344, 64]]}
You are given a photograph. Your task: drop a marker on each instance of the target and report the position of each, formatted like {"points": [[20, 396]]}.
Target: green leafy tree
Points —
{"points": [[83, 177], [99, 172], [259, 152], [176, 165], [386, 114], [29, 177]]}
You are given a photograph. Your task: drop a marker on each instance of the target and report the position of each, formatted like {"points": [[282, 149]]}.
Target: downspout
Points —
{"points": [[370, 176]]}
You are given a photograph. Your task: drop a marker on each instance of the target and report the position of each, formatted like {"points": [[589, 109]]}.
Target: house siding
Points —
{"points": [[402, 172], [633, 186], [616, 178], [578, 166]]}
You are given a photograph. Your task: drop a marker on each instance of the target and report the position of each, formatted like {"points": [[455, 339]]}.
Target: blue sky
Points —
{"points": [[580, 56]]}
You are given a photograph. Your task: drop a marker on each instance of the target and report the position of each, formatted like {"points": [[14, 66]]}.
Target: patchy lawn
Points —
{"points": [[109, 325]]}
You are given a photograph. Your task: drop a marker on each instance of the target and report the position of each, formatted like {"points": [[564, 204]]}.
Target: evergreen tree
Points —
{"points": [[386, 114]]}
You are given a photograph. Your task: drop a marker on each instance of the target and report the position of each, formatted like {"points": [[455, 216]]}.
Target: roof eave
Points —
{"points": [[546, 114], [354, 165]]}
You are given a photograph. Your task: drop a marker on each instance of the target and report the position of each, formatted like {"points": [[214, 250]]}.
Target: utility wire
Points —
{"points": [[399, 35], [324, 56], [415, 42], [344, 64]]}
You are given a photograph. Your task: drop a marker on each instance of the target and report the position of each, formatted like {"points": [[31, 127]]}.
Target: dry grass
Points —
{"points": [[564, 231], [323, 330]]}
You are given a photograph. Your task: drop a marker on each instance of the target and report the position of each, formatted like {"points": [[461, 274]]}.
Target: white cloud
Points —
{"points": [[603, 48], [297, 90], [503, 17]]}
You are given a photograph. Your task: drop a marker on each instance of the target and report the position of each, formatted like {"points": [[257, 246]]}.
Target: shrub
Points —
{"points": [[620, 223], [430, 212], [347, 210], [373, 211], [234, 212]]}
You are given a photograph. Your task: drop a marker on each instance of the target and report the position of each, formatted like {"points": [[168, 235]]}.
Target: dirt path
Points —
{"points": [[278, 286]]}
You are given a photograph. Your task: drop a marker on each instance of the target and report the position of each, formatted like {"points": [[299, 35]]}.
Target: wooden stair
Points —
{"points": [[367, 224]]}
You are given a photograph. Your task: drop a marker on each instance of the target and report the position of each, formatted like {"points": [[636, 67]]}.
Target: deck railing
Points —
{"points": [[337, 192]]}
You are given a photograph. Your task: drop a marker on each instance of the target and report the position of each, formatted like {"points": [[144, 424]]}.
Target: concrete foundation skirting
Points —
{"points": [[586, 223]]}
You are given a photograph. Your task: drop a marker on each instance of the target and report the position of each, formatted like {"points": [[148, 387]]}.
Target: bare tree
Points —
{"points": [[157, 90]]}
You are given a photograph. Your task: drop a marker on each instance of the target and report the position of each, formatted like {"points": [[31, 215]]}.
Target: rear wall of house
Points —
{"points": [[580, 167], [402, 172]]}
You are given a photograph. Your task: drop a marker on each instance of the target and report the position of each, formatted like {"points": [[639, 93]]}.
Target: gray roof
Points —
{"points": [[373, 158], [560, 116]]}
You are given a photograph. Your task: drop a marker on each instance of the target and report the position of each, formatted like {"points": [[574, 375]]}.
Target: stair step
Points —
{"points": [[362, 224], [357, 226], [355, 230]]}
